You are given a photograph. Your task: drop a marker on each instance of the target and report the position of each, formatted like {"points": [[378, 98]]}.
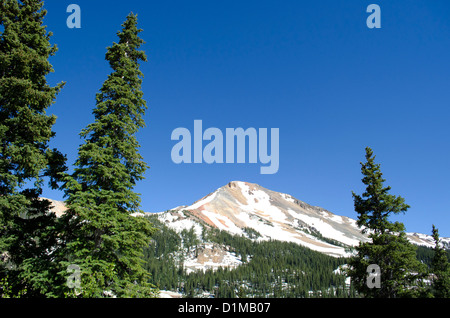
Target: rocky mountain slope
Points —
{"points": [[251, 210], [248, 209]]}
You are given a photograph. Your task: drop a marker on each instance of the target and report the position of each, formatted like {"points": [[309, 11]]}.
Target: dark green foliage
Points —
{"points": [[189, 238], [426, 255], [401, 273], [27, 228], [102, 236], [281, 269], [440, 269], [273, 268], [376, 204], [251, 233], [160, 261]]}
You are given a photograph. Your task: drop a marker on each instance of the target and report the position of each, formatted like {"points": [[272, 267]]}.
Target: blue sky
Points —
{"points": [[313, 69]]}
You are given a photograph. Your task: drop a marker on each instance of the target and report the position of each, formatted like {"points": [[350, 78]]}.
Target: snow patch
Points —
{"points": [[222, 222], [258, 200], [287, 197], [178, 222], [324, 228], [203, 201]]}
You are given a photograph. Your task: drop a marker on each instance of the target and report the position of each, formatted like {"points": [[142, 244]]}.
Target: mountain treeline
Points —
{"points": [[268, 269]]}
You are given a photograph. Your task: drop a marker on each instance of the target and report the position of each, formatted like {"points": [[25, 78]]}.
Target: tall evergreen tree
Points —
{"points": [[102, 236], [27, 227], [440, 269], [401, 272]]}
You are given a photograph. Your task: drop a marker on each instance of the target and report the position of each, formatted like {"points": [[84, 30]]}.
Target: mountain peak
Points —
{"points": [[239, 206]]}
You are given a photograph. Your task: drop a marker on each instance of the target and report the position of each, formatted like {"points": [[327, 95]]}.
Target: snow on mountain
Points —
{"points": [[427, 240], [241, 205], [238, 206], [277, 216]]}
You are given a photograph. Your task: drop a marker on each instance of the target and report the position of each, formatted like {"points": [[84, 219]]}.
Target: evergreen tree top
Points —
{"points": [[376, 204], [127, 49], [120, 100], [23, 27]]}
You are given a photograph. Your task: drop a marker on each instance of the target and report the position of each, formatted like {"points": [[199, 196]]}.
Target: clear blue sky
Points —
{"points": [[313, 69]]}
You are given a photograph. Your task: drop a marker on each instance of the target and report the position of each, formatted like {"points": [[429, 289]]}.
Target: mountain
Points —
{"points": [[248, 241], [250, 210]]}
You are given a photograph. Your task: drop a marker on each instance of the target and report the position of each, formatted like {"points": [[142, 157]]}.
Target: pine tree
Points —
{"points": [[27, 227], [401, 272], [103, 238], [440, 269]]}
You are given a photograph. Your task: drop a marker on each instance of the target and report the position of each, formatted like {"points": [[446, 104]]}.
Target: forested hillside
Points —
{"points": [[269, 268]]}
